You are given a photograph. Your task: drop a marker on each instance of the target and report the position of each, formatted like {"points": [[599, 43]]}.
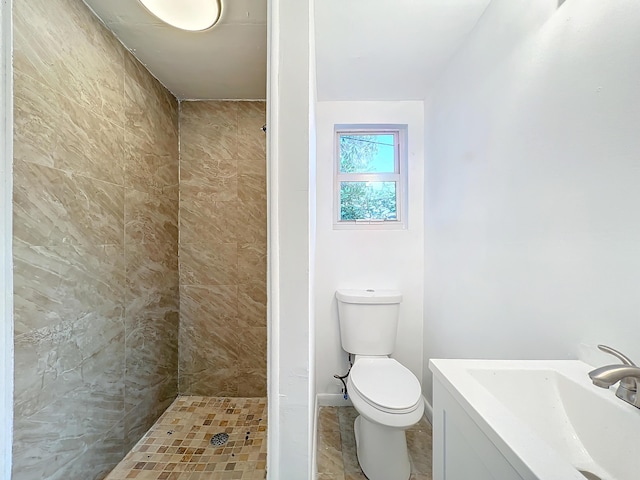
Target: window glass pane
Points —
{"points": [[367, 153], [367, 201]]}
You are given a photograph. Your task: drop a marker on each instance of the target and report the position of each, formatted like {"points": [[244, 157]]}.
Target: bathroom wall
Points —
{"points": [[381, 259], [532, 174], [291, 114], [223, 235], [95, 244]]}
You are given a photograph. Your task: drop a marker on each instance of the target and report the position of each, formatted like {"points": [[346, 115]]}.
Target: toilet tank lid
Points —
{"points": [[369, 297]]}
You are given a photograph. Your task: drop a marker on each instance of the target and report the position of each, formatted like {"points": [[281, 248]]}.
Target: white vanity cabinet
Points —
{"points": [[528, 420], [461, 450]]}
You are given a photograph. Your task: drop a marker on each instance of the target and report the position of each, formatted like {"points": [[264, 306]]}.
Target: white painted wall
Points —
{"points": [[381, 259], [290, 386], [6, 215], [533, 185], [313, 99]]}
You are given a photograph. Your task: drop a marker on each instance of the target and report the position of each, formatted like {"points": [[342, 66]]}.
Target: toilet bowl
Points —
{"points": [[388, 398], [386, 394]]}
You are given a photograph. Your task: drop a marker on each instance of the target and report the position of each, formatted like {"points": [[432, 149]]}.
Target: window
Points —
{"points": [[370, 178]]}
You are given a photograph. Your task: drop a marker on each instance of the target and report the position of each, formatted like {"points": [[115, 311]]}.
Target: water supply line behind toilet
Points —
{"points": [[342, 379]]}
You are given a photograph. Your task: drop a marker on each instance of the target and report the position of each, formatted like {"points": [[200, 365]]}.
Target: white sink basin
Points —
{"points": [[551, 409]]}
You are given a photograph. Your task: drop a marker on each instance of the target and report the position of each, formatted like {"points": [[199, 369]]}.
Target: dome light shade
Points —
{"points": [[191, 15]]}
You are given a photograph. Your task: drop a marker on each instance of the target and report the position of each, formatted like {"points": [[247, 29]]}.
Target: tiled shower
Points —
{"points": [[139, 246], [223, 214]]}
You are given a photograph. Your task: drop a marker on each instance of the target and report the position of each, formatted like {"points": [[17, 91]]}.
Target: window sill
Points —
{"points": [[369, 226]]}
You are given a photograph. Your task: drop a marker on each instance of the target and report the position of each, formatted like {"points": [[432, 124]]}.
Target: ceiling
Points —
{"points": [[228, 61], [365, 49], [388, 49]]}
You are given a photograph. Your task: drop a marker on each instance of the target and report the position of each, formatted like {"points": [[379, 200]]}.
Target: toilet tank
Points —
{"points": [[368, 320]]}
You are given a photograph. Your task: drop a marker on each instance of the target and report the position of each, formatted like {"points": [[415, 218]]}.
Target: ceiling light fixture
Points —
{"points": [[191, 15]]}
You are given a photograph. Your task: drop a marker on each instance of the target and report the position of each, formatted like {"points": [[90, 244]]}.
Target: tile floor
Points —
{"points": [[336, 454], [178, 446]]}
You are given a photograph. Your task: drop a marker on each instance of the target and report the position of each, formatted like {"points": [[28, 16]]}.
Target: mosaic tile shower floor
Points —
{"points": [[178, 446], [336, 449]]}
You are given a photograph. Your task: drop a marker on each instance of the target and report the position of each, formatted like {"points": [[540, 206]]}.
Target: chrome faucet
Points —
{"points": [[627, 373]]}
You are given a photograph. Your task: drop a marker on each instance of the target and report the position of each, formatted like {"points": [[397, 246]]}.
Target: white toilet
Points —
{"points": [[386, 394]]}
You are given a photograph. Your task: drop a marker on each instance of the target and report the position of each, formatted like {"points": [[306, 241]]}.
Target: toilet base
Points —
{"points": [[382, 451]]}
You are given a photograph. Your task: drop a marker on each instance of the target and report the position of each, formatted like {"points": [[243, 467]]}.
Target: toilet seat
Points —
{"points": [[386, 385]]}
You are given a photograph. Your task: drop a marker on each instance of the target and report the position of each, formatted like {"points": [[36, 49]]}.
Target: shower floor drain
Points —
{"points": [[219, 439]]}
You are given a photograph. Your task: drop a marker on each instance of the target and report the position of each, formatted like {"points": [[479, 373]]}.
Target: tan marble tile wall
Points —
{"points": [[223, 211], [95, 244]]}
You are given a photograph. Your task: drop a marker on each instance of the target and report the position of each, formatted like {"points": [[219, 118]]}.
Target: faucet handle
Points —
{"points": [[621, 356]]}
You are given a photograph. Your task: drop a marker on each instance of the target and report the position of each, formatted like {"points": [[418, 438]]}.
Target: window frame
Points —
{"points": [[399, 177]]}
